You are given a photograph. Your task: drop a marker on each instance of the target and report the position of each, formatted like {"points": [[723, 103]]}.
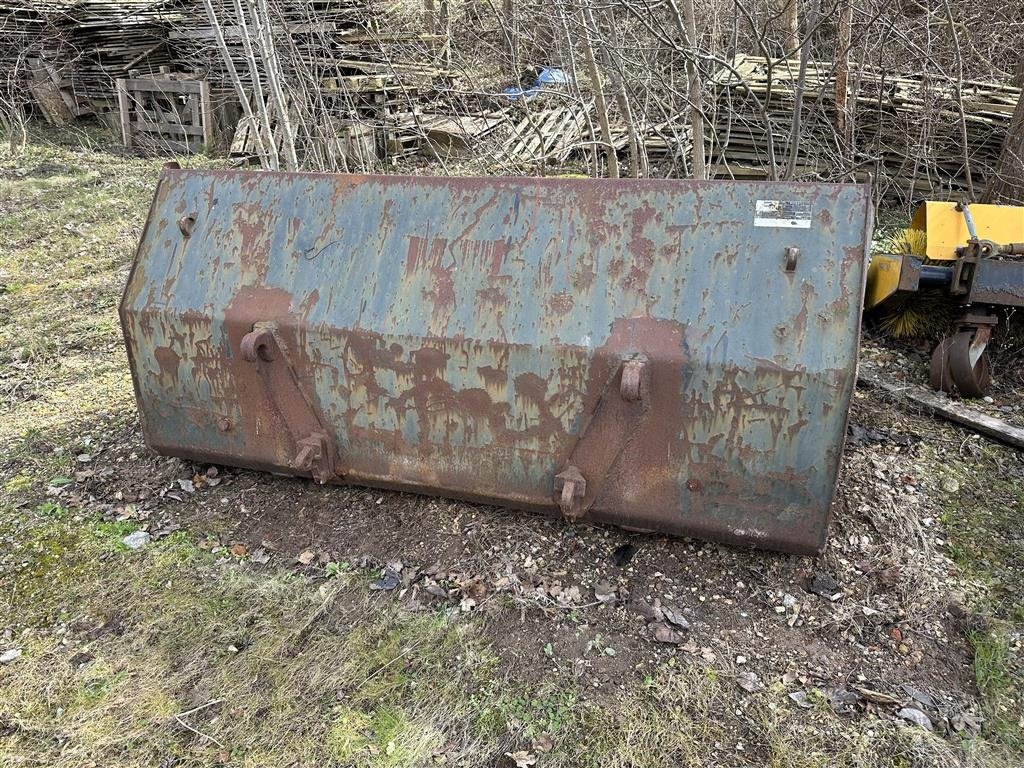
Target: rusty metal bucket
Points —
{"points": [[674, 356]]}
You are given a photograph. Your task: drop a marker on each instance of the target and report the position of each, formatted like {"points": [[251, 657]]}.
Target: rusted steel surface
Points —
{"points": [[664, 355], [998, 282]]}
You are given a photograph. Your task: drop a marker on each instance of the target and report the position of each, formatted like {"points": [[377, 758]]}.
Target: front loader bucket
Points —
{"points": [[674, 356]]}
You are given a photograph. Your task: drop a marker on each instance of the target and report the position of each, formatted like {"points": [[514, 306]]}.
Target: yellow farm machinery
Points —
{"points": [[975, 255]]}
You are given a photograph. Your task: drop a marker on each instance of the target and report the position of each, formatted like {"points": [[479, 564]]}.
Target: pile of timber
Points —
{"points": [[25, 25], [226, 41], [27, 29], [444, 134], [114, 39], [903, 130], [319, 70], [554, 135], [71, 52]]}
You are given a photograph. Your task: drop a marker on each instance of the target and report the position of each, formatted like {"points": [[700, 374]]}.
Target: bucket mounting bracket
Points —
{"points": [[313, 449], [605, 435]]}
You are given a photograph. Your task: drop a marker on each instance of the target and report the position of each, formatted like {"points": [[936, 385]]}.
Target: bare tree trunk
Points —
{"points": [[790, 26], [445, 30], [798, 97], [13, 123], [700, 170], [686, 20], [569, 41], [265, 37], [1007, 185], [843, 68], [960, 98], [262, 109], [622, 99], [599, 102], [511, 28], [243, 97]]}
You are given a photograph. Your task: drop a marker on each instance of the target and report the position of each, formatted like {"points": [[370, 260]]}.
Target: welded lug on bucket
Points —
{"points": [[186, 224], [632, 379], [314, 456], [313, 450], [258, 345], [571, 487], [666, 355], [603, 437]]}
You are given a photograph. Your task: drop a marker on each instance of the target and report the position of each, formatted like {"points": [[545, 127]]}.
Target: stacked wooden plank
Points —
{"points": [[332, 60], [340, 73], [294, 27], [115, 38], [24, 24], [331, 46], [77, 49], [904, 130], [668, 140], [32, 33]]}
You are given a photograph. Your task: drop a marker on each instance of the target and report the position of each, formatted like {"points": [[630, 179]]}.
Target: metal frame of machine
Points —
{"points": [[975, 253]]}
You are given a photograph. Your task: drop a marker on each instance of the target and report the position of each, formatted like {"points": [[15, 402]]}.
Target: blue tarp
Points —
{"points": [[549, 78]]}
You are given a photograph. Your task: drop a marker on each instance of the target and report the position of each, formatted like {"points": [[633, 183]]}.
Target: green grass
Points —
{"points": [[167, 624], [69, 221], [983, 519], [170, 628], [991, 660]]}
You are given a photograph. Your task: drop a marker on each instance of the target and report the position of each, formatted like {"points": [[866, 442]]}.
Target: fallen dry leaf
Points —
{"points": [[663, 633], [649, 611], [674, 615], [522, 758], [604, 592], [261, 556], [749, 682], [801, 700], [390, 579], [544, 743], [915, 716]]}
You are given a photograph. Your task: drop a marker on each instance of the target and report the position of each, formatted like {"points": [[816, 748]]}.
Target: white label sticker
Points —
{"points": [[792, 214]]}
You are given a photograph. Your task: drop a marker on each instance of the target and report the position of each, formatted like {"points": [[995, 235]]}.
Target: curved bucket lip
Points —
{"points": [[703, 464]]}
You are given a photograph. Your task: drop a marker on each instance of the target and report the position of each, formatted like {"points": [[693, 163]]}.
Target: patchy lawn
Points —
{"points": [[268, 621]]}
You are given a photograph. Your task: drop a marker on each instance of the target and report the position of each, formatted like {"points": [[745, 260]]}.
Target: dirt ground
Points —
{"points": [[270, 621]]}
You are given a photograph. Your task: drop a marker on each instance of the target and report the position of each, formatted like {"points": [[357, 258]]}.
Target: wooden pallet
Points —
{"points": [[547, 135], [166, 112]]}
